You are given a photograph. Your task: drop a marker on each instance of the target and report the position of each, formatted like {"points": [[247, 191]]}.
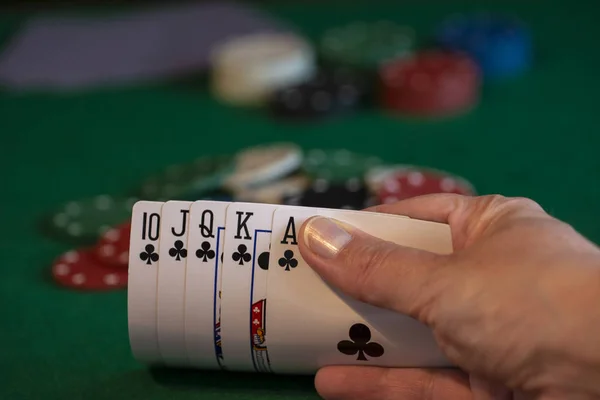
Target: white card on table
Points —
{"points": [[141, 287], [83, 52], [312, 325], [171, 283], [247, 236], [202, 286]]}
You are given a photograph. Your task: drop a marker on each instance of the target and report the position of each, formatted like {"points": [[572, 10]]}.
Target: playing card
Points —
{"points": [[312, 325], [243, 297], [202, 287], [141, 287], [171, 283]]}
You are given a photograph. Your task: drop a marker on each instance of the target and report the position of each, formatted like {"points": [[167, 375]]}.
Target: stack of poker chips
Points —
{"points": [[373, 65], [430, 83], [501, 46], [247, 69], [274, 173]]}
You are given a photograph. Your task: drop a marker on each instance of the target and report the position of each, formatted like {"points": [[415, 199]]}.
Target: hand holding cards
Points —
{"points": [[220, 285]]}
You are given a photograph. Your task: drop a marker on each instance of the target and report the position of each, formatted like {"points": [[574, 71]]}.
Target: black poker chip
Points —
{"points": [[349, 195], [331, 92]]}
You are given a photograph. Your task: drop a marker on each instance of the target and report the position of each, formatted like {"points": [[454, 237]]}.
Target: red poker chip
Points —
{"points": [[113, 247], [414, 182], [430, 83], [81, 270]]}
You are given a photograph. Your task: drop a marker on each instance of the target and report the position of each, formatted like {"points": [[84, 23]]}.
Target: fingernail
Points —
{"points": [[325, 236]]}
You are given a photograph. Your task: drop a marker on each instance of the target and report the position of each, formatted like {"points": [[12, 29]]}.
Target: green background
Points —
{"points": [[536, 136]]}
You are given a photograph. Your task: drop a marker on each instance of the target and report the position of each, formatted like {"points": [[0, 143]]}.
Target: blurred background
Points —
{"points": [[106, 101]]}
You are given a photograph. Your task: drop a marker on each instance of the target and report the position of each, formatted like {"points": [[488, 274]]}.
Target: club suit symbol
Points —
{"points": [[359, 343], [263, 260], [288, 261], [241, 256], [149, 254], [205, 253], [177, 251]]}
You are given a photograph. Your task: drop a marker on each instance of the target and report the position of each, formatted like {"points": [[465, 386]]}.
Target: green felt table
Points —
{"points": [[537, 136]]}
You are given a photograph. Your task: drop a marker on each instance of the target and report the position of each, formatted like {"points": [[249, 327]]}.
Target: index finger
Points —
{"points": [[358, 383], [431, 207], [468, 216]]}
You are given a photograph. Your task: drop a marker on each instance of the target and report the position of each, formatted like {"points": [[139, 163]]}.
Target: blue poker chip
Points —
{"points": [[501, 46]]}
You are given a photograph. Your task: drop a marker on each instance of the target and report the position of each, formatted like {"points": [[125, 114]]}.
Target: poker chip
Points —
{"points": [[411, 182], [350, 195], [187, 181], [374, 177], [501, 45], [338, 165], [113, 247], [367, 45], [261, 164], [275, 192], [247, 69], [81, 270], [84, 221], [432, 83], [330, 92]]}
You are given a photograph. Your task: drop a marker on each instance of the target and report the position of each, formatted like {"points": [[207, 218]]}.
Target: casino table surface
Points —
{"points": [[537, 136]]}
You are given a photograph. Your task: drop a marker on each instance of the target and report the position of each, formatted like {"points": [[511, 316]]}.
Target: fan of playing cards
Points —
{"points": [[220, 285]]}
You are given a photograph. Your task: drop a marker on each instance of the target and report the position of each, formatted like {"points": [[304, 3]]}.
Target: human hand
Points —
{"points": [[515, 304]]}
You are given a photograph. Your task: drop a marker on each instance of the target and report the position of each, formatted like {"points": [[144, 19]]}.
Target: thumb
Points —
{"points": [[372, 270]]}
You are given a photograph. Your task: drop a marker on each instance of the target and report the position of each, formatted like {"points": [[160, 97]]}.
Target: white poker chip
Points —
{"points": [[261, 164], [261, 53], [236, 90], [247, 69]]}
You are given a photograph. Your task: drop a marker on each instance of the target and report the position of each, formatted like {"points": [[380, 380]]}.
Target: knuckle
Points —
{"points": [[392, 385], [522, 203], [492, 209], [428, 387], [492, 201], [501, 203]]}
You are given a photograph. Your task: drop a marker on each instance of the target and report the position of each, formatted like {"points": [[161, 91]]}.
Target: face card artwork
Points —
{"points": [[258, 308], [312, 325], [203, 277], [171, 282], [143, 272], [247, 237]]}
